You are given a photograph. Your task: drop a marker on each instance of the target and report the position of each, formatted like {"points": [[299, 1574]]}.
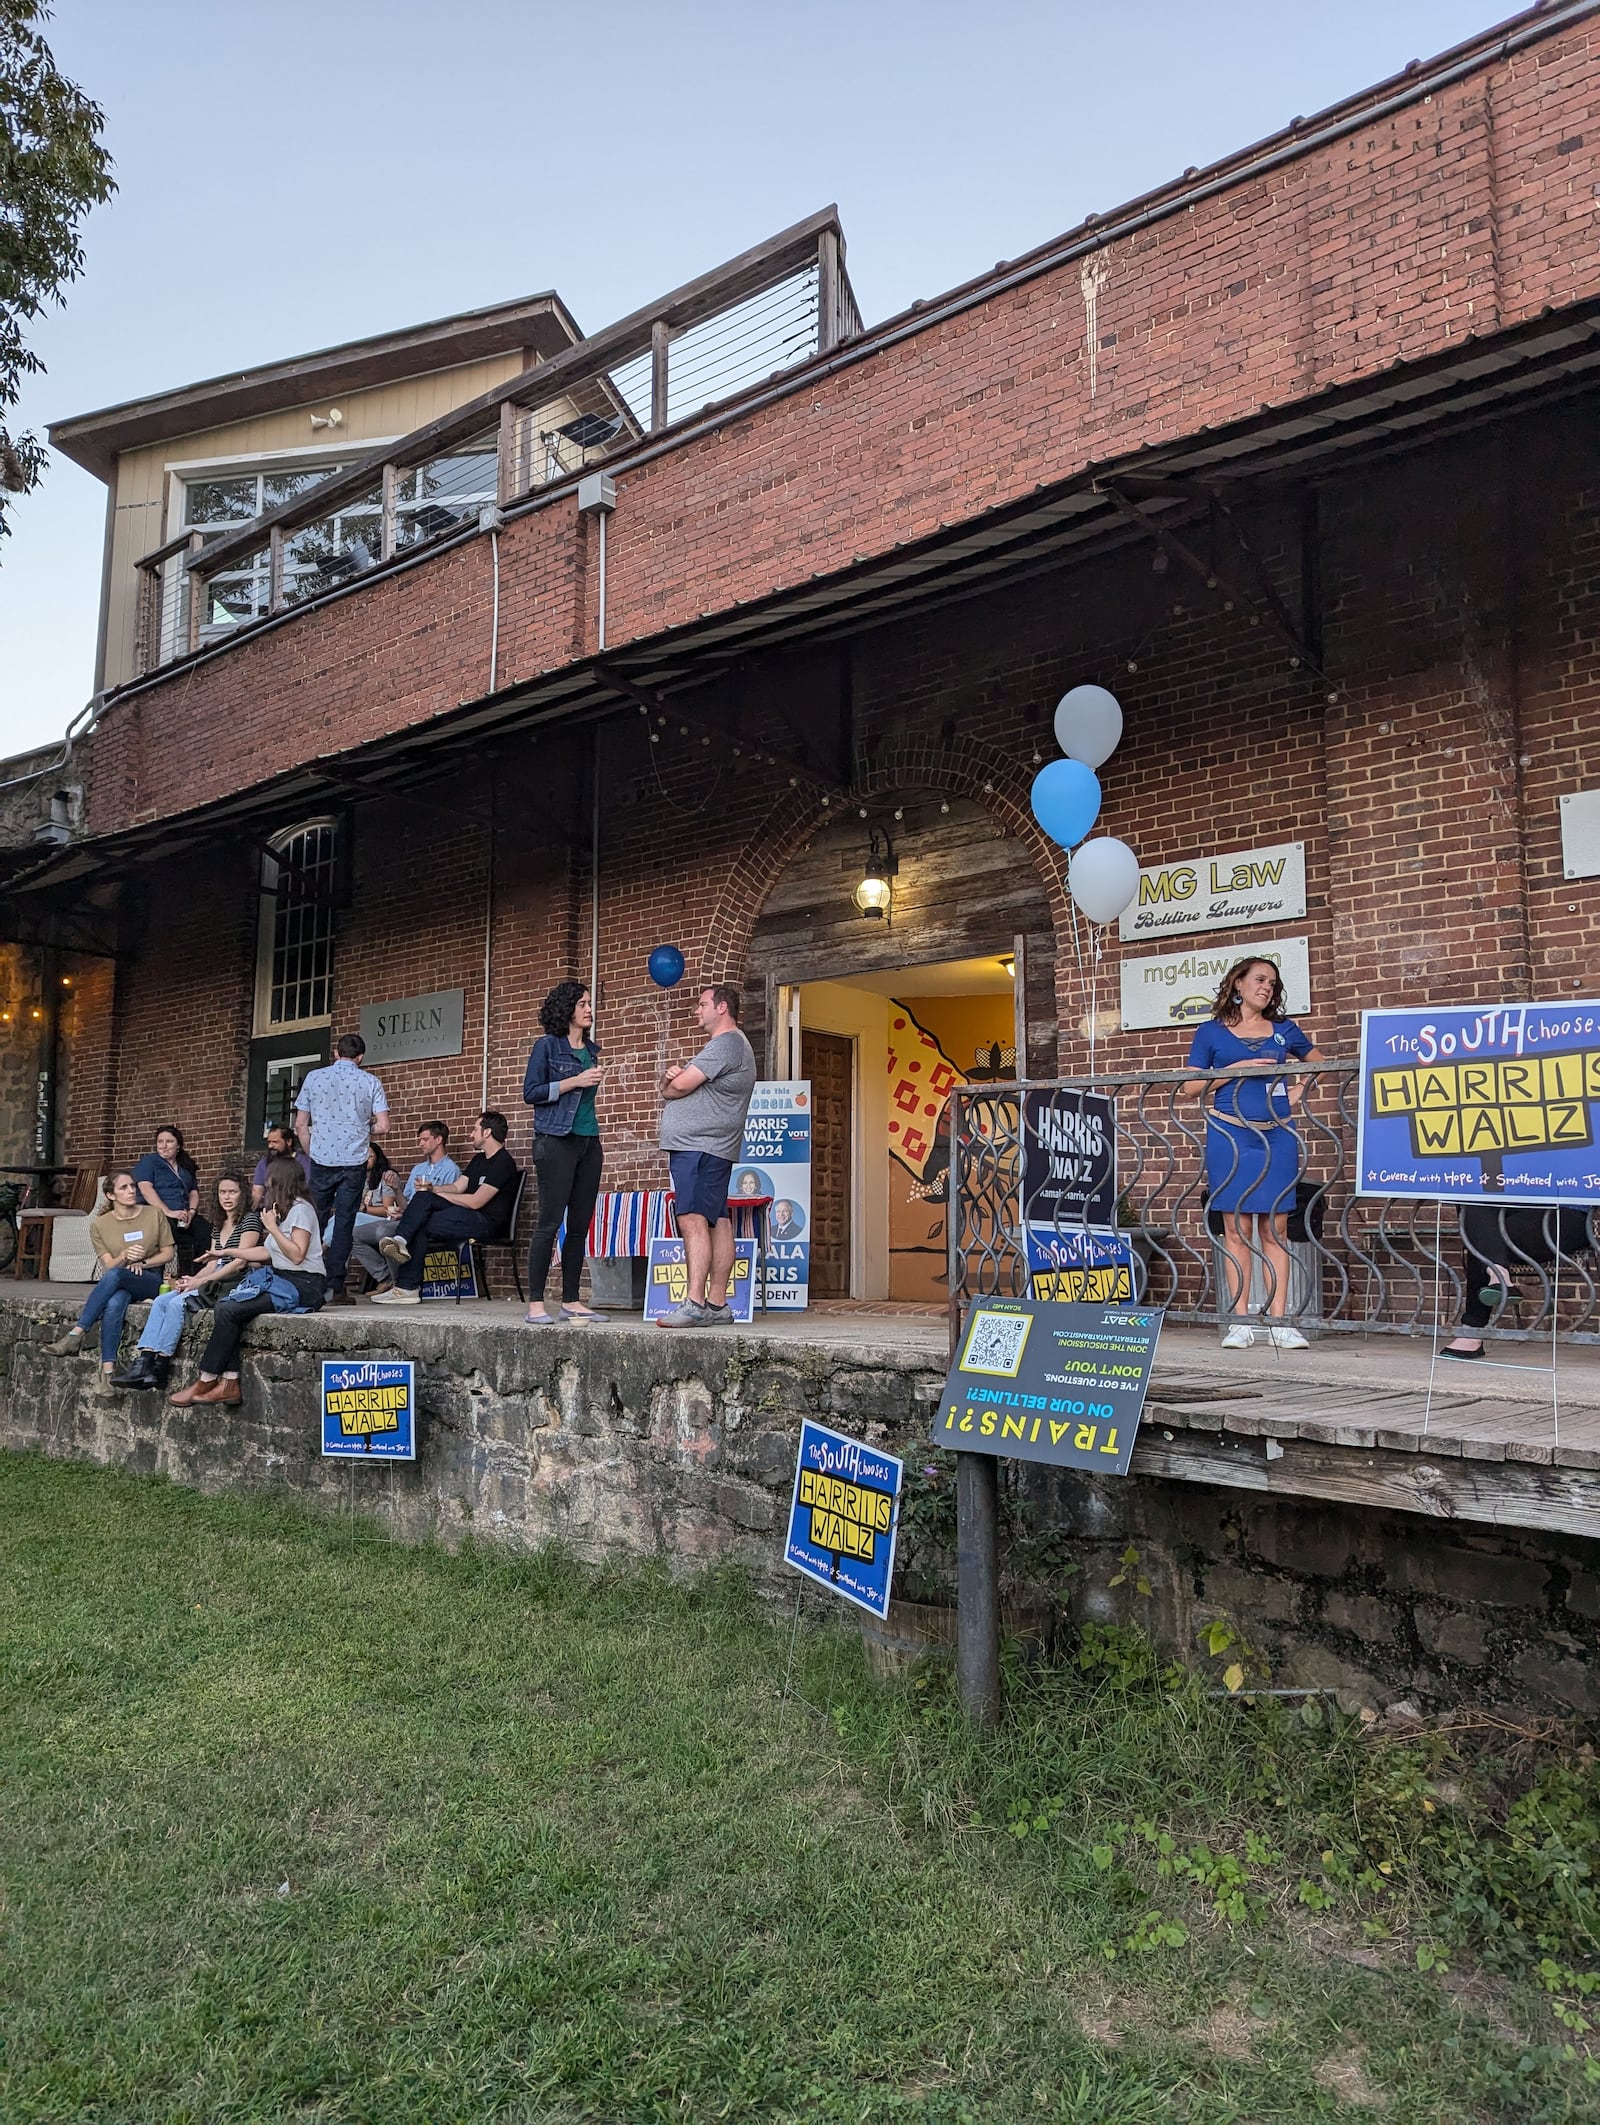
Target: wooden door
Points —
{"points": [[828, 1059]]}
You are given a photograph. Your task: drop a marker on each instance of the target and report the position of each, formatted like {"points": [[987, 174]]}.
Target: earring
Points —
{"points": [[1237, 997]]}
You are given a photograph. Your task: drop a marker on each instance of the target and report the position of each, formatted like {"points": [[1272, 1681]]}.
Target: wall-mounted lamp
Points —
{"points": [[333, 418], [874, 893], [1009, 965]]}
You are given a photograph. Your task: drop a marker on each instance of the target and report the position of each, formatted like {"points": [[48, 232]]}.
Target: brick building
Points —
{"points": [[1298, 455]]}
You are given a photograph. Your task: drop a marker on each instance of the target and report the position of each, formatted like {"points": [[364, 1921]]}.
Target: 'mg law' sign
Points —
{"points": [[1219, 892]]}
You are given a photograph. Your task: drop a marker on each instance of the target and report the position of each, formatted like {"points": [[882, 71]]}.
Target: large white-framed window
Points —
{"points": [[429, 499], [294, 943]]}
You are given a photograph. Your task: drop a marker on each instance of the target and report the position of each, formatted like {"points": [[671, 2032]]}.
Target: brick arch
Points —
{"points": [[996, 782]]}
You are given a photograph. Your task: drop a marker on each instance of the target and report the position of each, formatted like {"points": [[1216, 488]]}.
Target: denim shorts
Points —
{"points": [[700, 1184]]}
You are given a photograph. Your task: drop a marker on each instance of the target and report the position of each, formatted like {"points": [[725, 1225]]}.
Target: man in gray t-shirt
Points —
{"points": [[702, 1131]]}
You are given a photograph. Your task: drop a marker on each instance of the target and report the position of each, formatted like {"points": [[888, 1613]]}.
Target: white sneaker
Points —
{"points": [[1240, 1338], [1288, 1338]]}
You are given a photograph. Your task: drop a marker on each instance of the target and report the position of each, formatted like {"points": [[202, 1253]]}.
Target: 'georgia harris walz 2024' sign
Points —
{"points": [[1475, 1105]]}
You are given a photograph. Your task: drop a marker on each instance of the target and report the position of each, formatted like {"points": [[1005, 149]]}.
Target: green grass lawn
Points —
{"points": [[299, 1824]]}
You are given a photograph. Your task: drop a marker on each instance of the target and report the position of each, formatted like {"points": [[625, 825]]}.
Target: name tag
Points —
{"points": [[128, 1238]]}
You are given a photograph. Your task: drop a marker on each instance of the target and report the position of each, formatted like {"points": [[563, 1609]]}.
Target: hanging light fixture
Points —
{"points": [[874, 893]]}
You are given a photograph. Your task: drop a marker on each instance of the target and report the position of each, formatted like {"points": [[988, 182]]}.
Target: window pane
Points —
{"points": [[279, 487], [220, 501], [302, 936]]}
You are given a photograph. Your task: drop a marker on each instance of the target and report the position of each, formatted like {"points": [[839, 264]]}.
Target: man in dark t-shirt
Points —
{"points": [[476, 1207]]}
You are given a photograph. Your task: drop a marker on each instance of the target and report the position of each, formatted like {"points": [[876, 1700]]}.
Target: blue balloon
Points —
{"points": [[1066, 800], [666, 966]]}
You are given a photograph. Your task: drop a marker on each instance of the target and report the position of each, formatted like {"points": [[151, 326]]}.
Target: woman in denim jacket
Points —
{"points": [[559, 1086]]}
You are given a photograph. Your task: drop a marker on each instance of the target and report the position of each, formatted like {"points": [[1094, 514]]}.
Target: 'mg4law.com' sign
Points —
{"points": [[1179, 988], [1220, 892]]}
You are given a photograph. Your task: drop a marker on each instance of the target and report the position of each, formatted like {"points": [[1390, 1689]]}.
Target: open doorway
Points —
{"points": [[883, 1051], [885, 1013]]}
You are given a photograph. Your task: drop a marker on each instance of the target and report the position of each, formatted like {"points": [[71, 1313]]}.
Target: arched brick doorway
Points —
{"points": [[882, 1014]]}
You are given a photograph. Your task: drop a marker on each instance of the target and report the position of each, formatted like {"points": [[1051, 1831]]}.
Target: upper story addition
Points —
{"points": [[184, 468]]}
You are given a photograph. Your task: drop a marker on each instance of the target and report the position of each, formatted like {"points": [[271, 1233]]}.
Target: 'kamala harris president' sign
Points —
{"points": [[1481, 1105], [1219, 892]]}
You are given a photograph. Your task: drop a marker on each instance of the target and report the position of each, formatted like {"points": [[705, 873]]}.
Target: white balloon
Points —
{"points": [[1088, 724], [1103, 878]]}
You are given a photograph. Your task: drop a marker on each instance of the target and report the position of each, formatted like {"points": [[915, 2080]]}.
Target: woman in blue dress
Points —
{"points": [[1253, 1157]]}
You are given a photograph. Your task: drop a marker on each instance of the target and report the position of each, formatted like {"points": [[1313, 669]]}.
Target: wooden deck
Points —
{"points": [[1352, 1419]]}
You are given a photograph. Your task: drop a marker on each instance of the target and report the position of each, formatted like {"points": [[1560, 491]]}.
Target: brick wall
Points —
{"points": [[1461, 622], [1471, 210]]}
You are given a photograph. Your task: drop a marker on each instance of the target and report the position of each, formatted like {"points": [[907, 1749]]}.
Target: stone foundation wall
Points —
{"points": [[1379, 1606], [618, 1444]]}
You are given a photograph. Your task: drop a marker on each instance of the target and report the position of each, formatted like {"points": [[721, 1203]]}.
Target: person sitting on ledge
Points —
{"points": [[132, 1241], [1498, 1239], [238, 1242], [475, 1208], [293, 1233]]}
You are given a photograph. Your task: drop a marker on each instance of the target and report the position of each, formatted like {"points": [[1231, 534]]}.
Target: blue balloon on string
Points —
{"points": [[1066, 800], [666, 966]]}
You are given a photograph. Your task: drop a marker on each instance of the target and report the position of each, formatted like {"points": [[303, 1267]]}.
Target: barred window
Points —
{"points": [[294, 982]]}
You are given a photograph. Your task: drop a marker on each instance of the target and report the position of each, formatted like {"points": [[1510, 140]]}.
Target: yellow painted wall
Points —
{"points": [[147, 506], [962, 1024], [918, 1234]]}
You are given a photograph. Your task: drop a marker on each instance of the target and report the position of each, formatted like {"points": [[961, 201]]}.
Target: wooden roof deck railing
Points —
{"points": [[705, 343]]}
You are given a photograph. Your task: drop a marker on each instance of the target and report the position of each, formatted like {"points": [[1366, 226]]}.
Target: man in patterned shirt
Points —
{"points": [[337, 1113]]}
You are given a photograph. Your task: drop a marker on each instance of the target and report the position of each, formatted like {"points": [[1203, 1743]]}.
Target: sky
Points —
{"points": [[295, 175]]}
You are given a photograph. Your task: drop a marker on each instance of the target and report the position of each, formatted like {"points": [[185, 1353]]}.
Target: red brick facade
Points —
{"points": [[1463, 213], [1460, 612]]}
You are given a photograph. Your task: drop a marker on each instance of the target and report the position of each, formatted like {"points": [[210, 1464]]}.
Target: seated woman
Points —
{"points": [[293, 1236], [166, 1180], [133, 1243], [239, 1241], [1497, 1240], [383, 1199]]}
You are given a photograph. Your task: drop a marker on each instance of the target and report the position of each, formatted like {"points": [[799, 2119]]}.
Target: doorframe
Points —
{"points": [[856, 1272]]}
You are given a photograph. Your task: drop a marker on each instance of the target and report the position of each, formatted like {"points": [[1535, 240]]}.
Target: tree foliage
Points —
{"points": [[52, 170]]}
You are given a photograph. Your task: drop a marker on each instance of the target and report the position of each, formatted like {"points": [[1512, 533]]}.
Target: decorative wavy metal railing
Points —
{"points": [[1348, 1262]]}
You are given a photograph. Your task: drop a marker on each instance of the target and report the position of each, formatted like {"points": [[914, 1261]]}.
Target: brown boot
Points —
{"points": [[194, 1392], [225, 1391]]}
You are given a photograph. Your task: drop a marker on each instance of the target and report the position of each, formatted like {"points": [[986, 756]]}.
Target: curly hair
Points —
{"points": [[219, 1216], [555, 1013], [1226, 1008]]}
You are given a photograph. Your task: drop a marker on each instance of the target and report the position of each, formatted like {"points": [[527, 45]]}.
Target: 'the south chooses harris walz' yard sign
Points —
{"points": [[369, 1409], [1040, 1381], [844, 1516]]}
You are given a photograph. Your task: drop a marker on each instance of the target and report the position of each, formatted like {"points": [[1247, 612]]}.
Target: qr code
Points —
{"points": [[994, 1343]]}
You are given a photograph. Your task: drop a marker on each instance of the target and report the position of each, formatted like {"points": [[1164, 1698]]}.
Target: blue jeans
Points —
{"points": [[109, 1301], [338, 1189], [432, 1221], [163, 1328]]}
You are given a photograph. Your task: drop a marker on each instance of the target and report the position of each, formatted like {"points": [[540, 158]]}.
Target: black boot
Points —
{"points": [[160, 1372], [138, 1374]]}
